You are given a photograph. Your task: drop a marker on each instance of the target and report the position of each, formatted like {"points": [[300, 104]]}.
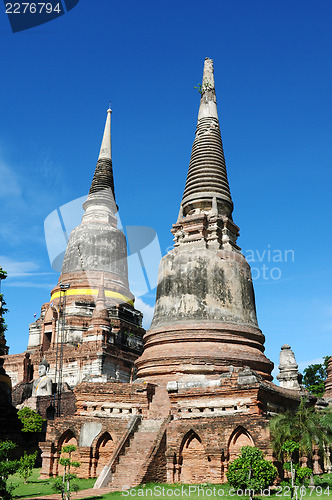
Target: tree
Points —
{"points": [[290, 447], [32, 421], [307, 427], [3, 327], [315, 376], [26, 464], [251, 471], [64, 484], [7, 467]]}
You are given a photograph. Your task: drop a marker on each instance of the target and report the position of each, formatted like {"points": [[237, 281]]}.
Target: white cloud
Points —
{"points": [[9, 186], [29, 284], [16, 268], [147, 311]]}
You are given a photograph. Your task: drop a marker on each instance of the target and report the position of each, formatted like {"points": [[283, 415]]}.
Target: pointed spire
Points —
{"points": [[102, 186], [105, 150], [100, 311], [207, 175], [101, 292], [208, 105]]}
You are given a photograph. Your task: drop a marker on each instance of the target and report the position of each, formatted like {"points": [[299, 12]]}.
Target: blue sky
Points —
{"points": [[273, 80]]}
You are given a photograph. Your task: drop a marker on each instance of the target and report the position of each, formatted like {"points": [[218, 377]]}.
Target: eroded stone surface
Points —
{"points": [[289, 376]]}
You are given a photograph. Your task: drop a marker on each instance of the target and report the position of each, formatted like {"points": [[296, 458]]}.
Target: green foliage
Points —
{"points": [[315, 376], [251, 471], [306, 426], [3, 327], [290, 446], [303, 475], [7, 467], [65, 484], [32, 421], [61, 485], [203, 88], [27, 463]]}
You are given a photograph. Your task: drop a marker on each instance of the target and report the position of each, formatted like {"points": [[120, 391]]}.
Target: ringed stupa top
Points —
{"points": [[207, 176], [205, 316]]}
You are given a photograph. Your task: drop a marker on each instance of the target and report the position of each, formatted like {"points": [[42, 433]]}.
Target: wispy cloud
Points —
{"points": [[16, 268], [31, 284], [9, 185]]}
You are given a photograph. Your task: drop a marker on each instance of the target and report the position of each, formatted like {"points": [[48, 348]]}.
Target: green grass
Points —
{"points": [[37, 487], [206, 491]]}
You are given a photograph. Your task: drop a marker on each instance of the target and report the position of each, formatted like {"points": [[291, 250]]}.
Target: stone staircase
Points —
{"points": [[130, 462], [132, 466]]}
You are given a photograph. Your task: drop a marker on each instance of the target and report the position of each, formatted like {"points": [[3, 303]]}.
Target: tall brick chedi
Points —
{"points": [[205, 315]]}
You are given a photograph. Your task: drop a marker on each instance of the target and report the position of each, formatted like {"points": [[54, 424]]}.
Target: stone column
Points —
{"points": [[327, 460], [316, 465], [304, 461], [85, 459], [170, 467], [216, 468], [47, 460]]}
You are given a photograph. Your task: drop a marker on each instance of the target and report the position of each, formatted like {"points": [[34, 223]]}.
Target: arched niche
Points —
{"points": [[66, 439], [103, 452], [194, 464], [240, 437]]}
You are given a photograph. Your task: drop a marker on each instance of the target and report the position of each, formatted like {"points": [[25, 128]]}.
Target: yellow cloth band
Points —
{"points": [[94, 292]]}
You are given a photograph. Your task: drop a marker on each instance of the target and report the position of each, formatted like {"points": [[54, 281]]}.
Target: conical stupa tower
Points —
{"points": [[97, 245], [205, 315], [98, 325]]}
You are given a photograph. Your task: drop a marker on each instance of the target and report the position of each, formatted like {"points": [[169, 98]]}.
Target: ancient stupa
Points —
{"points": [[91, 311], [203, 387], [205, 315]]}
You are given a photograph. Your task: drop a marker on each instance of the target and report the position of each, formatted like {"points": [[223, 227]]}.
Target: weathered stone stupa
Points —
{"points": [[205, 316], [91, 311]]}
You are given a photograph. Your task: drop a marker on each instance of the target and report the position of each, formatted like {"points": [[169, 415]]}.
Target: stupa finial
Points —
{"points": [[105, 149], [208, 105]]}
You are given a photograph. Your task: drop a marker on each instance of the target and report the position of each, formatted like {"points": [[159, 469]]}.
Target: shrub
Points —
{"points": [[32, 421], [251, 471], [26, 465], [7, 467]]}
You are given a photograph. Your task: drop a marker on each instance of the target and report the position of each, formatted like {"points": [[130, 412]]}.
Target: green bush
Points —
{"points": [[251, 470], [64, 484], [7, 467], [303, 475], [32, 421], [26, 465]]}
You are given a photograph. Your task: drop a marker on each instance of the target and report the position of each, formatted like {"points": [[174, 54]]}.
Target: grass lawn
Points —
{"points": [[323, 490], [39, 487]]}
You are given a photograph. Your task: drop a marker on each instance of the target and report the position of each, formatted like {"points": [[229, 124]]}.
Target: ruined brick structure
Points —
{"points": [[328, 383], [204, 386]]}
